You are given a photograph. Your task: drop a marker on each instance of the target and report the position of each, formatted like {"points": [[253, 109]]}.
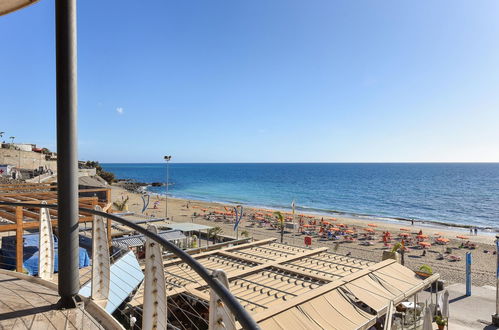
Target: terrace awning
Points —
{"points": [[139, 240], [187, 226], [8, 6], [343, 307]]}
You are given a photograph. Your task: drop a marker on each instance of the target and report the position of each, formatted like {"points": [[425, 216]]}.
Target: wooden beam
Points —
{"points": [[8, 216], [19, 239], [231, 248]]}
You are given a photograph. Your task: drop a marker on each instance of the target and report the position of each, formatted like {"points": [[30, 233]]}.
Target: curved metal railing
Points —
{"points": [[244, 318]]}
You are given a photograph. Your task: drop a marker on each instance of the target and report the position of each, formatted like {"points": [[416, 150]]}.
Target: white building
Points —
{"points": [[6, 170]]}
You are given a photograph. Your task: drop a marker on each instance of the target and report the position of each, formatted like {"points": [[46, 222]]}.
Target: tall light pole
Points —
{"points": [[167, 159], [495, 317]]}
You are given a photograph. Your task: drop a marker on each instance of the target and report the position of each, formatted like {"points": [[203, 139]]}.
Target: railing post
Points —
{"points": [[19, 239], [67, 158], [220, 316], [101, 276], [45, 245], [154, 315]]}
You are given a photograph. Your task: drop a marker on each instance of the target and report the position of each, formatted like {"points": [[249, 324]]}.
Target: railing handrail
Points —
{"points": [[225, 295]]}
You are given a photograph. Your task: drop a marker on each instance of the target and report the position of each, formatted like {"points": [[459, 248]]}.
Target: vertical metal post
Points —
{"points": [[167, 159], [497, 275], [468, 274], [495, 317], [67, 158], [167, 180], [19, 239]]}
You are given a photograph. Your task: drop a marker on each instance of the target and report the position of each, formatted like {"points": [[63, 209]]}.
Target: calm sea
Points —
{"points": [[452, 193]]}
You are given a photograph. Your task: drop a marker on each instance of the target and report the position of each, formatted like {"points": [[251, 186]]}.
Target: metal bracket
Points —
{"points": [[155, 306], [220, 315]]}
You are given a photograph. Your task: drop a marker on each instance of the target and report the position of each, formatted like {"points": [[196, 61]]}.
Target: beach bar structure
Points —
{"points": [[288, 287]]}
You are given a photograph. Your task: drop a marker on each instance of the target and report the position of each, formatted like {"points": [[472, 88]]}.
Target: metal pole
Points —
{"points": [[497, 275], [167, 180], [468, 274], [67, 158], [495, 317], [167, 159]]}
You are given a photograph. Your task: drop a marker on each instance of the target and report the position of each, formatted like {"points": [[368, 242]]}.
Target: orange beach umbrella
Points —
{"points": [[372, 225], [442, 240], [424, 244], [462, 237]]}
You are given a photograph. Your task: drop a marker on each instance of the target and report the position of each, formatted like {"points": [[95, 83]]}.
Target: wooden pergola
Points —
{"points": [[21, 218]]}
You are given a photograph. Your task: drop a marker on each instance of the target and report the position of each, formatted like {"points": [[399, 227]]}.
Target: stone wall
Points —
{"points": [[26, 159]]}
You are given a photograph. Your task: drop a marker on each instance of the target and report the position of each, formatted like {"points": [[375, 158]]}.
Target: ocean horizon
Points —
{"points": [[457, 194]]}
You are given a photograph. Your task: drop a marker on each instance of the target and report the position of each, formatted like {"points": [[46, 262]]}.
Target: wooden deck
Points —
{"points": [[26, 304]]}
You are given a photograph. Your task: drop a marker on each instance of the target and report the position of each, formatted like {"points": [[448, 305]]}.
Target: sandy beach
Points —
{"points": [[483, 265]]}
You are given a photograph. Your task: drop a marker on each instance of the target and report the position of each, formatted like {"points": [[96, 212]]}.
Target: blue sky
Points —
{"points": [[263, 81]]}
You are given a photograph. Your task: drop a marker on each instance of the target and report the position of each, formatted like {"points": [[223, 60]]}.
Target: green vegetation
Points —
{"points": [[121, 206], [215, 233], [108, 176], [426, 269], [439, 320], [280, 221], [396, 247]]}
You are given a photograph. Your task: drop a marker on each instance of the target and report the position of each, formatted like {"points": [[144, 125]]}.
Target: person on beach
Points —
{"points": [[471, 230], [476, 231]]}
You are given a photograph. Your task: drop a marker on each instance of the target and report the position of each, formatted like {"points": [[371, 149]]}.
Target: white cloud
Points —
{"points": [[119, 110]]}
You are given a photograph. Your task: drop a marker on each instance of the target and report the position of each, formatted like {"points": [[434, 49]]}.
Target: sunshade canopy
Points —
{"points": [[8, 6]]}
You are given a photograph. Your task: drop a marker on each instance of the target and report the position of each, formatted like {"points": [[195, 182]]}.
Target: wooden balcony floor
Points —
{"points": [[28, 305]]}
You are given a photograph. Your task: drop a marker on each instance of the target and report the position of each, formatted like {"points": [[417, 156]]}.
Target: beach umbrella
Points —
{"points": [[438, 234], [369, 230], [427, 319], [463, 237], [341, 225], [405, 229], [326, 222], [335, 229], [424, 244], [444, 304], [404, 234], [422, 236], [348, 231], [443, 240], [372, 225]]}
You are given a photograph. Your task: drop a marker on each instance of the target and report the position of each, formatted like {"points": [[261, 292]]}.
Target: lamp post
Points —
{"points": [[167, 159], [495, 317]]}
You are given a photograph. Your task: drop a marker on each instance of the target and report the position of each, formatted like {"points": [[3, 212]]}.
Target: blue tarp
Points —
{"points": [[30, 253]]}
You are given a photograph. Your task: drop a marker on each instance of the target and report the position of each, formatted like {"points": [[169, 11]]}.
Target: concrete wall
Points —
{"points": [[87, 172], [25, 159]]}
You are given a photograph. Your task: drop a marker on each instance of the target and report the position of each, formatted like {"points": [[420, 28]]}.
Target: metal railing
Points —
{"points": [[242, 316]]}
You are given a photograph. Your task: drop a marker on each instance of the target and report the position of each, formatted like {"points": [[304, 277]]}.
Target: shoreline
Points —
{"points": [[436, 224], [196, 211]]}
